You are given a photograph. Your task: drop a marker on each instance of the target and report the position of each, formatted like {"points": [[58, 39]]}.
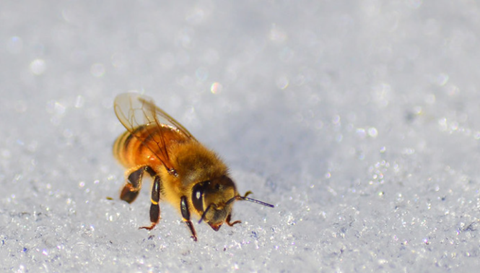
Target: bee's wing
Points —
{"points": [[134, 110], [161, 117]]}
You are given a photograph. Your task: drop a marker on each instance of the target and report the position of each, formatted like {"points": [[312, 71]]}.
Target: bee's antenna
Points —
{"points": [[240, 198], [205, 213], [245, 198]]}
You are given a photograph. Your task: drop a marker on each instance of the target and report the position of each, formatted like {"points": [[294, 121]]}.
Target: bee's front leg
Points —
{"points": [[186, 216], [229, 218]]}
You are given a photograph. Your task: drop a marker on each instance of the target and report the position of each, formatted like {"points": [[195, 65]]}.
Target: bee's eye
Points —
{"points": [[197, 196]]}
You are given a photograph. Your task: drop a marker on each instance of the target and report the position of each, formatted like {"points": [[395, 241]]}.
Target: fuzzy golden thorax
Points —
{"points": [[194, 163]]}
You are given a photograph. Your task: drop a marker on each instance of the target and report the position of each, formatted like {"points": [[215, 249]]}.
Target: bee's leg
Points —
{"points": [[186, 216], [154, 207], [229, 218], [134, 184]]}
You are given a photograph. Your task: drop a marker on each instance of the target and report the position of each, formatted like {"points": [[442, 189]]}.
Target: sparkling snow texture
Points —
{"points": [[359, 120]]}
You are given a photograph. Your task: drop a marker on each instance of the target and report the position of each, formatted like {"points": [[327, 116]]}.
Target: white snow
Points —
{"points": [[358, 120]]}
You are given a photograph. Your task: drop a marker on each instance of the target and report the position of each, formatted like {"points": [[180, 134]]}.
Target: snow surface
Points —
{"points": [[357, 119]]}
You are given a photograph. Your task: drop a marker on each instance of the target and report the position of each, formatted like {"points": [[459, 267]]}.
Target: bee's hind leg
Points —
{"points": [[132, 188], [134, 183]]}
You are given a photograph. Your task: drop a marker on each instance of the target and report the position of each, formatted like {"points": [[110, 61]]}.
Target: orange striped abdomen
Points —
{"points": [[146, 145]]}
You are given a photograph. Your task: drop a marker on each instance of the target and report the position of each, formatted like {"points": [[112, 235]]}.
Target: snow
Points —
{"points": [[356, 119]]}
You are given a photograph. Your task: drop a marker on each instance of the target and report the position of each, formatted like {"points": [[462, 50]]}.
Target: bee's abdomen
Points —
{"points": [[145, 145], [121, 148], [129, 150]]}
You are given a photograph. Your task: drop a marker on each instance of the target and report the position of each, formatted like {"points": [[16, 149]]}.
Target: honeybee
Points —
{"points": [[185, 173]]}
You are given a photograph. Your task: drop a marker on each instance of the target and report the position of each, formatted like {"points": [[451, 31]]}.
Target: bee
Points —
{"points": [[184, 172]]}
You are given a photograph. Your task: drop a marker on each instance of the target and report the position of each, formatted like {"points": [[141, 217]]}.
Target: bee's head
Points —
{"points": [[213, 200]]}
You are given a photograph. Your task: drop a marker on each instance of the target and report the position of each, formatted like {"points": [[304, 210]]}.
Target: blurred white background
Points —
{"points": [[357, 119]]}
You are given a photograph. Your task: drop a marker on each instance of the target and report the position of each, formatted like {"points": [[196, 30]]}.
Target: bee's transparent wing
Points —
{"points": [[135, 111]]}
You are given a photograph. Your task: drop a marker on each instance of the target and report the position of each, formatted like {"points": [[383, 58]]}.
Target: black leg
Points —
{"points": [[132, 187], [186, 216], [154, 207]]}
